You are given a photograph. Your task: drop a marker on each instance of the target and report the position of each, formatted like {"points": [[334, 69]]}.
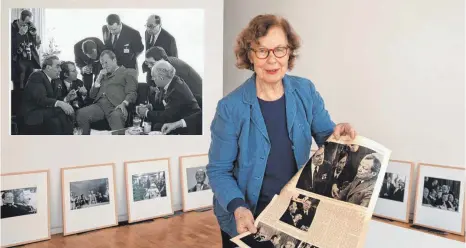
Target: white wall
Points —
{"points": [[28, 153], [393, 69]]}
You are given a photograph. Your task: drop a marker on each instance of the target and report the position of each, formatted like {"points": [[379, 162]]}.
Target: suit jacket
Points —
{"points": [[62, 92], [128, 46], [119, 86], [318, 184], [203, 187], [386, 191], [194, 123], [179, 103], [82, 60], [398, 195], [358, 193], [343, 178], [307, 219], [165, 40], [17, 40], [39, 94]]}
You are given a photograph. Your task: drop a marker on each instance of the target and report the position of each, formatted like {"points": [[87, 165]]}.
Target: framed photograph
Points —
{"points": [[440, 198], [148, 189], [196, 190], [124, 35], [25, 210], [394, 196], [88, 194]]}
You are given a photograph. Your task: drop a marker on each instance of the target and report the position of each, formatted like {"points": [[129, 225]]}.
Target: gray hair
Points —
{"points": [[164, 69], [49, 61]]}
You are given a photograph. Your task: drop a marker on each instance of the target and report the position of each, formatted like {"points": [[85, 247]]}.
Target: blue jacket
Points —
{"points": [[240, 145]]}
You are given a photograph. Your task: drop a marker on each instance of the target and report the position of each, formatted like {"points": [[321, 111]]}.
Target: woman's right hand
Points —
{"points": [[244, 220]]}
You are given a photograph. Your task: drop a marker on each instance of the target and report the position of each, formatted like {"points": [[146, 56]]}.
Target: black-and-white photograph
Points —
{"points": [[393, 187], [306, 245], [197, 179], [89, 193], [149, 186], [344, 172], [441, 193], [106, 71], [300, 212], [19, 202], [267, 236]]}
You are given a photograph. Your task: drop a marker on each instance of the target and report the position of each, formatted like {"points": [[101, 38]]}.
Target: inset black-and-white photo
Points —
{"points": [[393, 187], [89, 193], [306, 245], [197, 179], [441, 193], [149, 186], [344, 172], [300, 212], [267, 236], [152, 61], [19, 202]]}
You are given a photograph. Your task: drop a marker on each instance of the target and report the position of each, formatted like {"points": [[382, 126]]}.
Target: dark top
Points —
{"points": [[281, 164]]}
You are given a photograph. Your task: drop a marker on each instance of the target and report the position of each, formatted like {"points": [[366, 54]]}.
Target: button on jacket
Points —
{"points": [[240, 144]]}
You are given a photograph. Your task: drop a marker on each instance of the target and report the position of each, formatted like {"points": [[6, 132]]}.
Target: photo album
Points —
{"points": [[329, 202]]}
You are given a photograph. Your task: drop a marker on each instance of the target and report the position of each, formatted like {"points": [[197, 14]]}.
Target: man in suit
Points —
{"points": [[339, 177], [355, 154], [399, 191], [289, 215], [123, 40], [41, 107], [24, 44], [360, 190], [200, 179], [175, 97], [114, 89], [183, 70], [387, 187], [70, 89], [308, 214], [86, 56], [155, 35], [316, 174]]}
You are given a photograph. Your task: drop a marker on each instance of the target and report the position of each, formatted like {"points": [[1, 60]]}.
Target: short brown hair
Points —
{"points": [[257, 28]]}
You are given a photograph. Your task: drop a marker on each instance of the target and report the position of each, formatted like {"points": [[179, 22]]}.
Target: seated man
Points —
{"points": [[42, 111], [177, 100], [114, 89], [183, 70], [70, 89]]}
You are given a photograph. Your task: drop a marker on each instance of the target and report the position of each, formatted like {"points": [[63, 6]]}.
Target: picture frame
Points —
{"points": [[148, 189], [196, 191], [432, 211], [97, 209], [25, 210], [394, 200]]}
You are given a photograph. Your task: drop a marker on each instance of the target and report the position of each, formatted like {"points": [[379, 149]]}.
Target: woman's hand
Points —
{"points": [[244, 220], [343, 129]]}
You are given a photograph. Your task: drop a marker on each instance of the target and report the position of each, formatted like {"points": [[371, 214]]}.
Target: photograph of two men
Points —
{"points": [[106, 72]]}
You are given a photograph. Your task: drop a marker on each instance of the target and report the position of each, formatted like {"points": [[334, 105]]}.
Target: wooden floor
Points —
{"points": [[192, 229]]}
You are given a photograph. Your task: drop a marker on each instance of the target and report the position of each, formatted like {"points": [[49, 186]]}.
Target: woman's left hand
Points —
{"points": [[343, 129]]}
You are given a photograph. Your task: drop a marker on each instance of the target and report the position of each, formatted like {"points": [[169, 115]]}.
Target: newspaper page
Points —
{"points": [[328, 203]]}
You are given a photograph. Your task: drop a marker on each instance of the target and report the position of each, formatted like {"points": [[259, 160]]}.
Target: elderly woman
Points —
{"points": [[262, 131]]}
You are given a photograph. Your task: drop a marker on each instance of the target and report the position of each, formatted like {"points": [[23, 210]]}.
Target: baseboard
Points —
{"points": [[121, 218]]}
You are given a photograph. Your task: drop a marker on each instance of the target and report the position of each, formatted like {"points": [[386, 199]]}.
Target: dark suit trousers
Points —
{"points": [[56, 122], [102, 109], [88, 79], [23, 70]]}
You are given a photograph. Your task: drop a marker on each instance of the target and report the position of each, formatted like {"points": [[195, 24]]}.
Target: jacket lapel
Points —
{"points": [[250, 96], [290, 103]]}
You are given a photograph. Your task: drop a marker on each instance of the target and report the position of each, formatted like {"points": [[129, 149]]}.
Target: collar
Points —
{"points": [[250, 91], [50, 79]]}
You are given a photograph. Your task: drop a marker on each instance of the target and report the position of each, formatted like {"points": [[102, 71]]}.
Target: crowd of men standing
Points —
{"points": [[55, 101]]}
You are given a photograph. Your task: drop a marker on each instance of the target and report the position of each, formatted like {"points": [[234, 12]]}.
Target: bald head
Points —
{"points": [[162, 73], [153, 24]]}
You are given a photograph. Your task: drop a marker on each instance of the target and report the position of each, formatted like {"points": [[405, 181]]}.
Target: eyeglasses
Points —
{"points": [[263, 53]]}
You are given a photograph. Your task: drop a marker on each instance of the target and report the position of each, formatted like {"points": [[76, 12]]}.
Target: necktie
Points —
{"points": [[314, 176]]}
